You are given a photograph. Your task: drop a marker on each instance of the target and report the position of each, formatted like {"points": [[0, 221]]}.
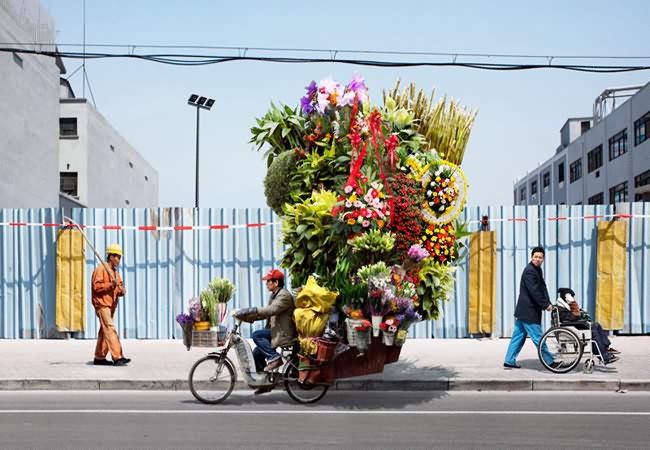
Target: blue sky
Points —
{"points": [[519, 113]]}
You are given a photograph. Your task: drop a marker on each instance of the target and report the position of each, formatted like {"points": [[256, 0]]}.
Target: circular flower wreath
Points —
{"points": [[445, 189], [438, 240]]}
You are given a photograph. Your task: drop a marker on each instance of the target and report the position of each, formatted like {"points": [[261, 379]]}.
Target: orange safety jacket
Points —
{"points": [[103, 292]]}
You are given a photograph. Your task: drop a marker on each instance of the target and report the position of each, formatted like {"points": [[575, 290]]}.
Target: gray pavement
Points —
{"points": [[438, 364]]}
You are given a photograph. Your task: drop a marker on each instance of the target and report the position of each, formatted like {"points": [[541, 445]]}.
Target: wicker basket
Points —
{"points": [[208, 338], [356, 338]]}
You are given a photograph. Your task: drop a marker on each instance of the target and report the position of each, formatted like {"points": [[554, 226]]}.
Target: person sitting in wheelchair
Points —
{"points": [[570, 312]]}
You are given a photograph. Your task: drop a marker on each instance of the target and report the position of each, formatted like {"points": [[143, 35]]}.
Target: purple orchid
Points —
{"points": [[306, 101]]}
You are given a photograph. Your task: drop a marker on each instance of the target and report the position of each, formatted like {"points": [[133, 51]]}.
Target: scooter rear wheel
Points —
{"points": [[301, 392]]}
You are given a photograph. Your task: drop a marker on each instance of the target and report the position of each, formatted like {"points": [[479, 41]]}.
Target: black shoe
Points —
{"points": [[612, 359], [121, 362], [511, 366], [263, 390], [613, 351], [102, 362], [556, 364]]}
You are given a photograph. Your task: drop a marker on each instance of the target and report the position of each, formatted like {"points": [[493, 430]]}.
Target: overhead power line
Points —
{"points": [[185, 59]]}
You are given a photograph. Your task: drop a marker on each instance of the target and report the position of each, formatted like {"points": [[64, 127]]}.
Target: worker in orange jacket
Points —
{"points": [[107, 286]]}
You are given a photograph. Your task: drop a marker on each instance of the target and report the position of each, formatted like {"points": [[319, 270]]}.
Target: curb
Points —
{"points": [[442, 384]]}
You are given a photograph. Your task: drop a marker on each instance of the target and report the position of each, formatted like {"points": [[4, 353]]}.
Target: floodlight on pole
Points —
{"points": [[199, 102]]}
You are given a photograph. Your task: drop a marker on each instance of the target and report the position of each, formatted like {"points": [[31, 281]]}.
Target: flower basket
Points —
{"points": [[208, 338], [202, 326], [325, 352], [376, 321], [357, 338], [400, 337], [388, 338], [312, 372]]}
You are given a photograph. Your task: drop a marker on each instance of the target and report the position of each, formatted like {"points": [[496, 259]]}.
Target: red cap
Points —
{"points": [[273, 274]]}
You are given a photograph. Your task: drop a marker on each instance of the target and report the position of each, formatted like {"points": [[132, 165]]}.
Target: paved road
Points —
{"points": [[343, 420]]}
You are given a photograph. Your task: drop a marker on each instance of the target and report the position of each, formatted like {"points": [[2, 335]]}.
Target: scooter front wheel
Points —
{"points": [[212, 379]]}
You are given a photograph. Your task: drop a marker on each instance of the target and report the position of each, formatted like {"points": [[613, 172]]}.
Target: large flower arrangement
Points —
{"points": [[383, 171]]}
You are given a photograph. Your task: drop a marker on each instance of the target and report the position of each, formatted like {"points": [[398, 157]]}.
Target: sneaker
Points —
{"points": [[511, 366], [121, 362], [273, 365], [613, 351], [612, 359], [556, 364], [263, 390], [102, 362]]}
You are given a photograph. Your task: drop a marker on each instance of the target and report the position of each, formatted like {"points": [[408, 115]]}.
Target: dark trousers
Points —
{"points": [[602, 340], [264, 352]]}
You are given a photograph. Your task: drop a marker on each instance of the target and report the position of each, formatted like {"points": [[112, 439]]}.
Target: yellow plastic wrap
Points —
{"points": [[314, 297], [611, 274], [70, 278], [313, 305], [482, 289]]}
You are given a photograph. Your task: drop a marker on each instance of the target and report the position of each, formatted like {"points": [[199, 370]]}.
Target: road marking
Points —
{"points": [[325, 412]]}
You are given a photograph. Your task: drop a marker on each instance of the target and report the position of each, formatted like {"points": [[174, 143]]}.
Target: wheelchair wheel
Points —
{"points": [[589, 366], [565, 346]]}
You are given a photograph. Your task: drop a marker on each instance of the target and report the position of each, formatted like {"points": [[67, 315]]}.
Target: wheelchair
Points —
{"points": [[569, 342]]}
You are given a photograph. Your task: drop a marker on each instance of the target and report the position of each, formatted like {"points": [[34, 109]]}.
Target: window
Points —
{"points": [[618, 193], [597, 199], [575, 170], [68, 127], [618, 145], [584, 126], [560, 173], [642, 179], [68, 183], [522, 194], [533, 188], [18, 60], [595, 159], [546, 180], [641, 129]]}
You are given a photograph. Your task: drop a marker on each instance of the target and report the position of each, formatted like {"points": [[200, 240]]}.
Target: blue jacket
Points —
{"points": [[533, 295]]}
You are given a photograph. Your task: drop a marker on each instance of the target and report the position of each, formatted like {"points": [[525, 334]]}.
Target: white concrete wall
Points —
{"points": [[112, 174], [29, 111]]}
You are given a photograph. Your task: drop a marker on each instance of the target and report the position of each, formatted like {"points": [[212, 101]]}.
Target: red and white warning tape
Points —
{"points": [[137, 227], [562, 218], [264, 224]]}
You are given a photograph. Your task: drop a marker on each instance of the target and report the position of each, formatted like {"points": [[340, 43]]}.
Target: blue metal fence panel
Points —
{"points": [[163, 269]]}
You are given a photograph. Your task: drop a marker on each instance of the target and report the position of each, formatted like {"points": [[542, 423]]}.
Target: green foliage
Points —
{"points": [[276, 188], [372, 246], [208, 304], [318, 171], [312, 248], [281, 128], [352, 294], [446, 126], [460, 245], [222, 288], [436, 284], [377, 270]]}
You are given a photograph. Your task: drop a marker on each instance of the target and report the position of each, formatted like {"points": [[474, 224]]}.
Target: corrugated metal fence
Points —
{"points": [[163, 269]]}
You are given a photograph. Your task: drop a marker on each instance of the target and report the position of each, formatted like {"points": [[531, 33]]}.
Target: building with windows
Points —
{"points": [[57, 150], [601, 159], [97, 166], [29, 109]]}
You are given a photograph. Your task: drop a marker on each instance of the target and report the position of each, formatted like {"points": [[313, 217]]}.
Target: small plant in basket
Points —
{"points": [[223, 290]]}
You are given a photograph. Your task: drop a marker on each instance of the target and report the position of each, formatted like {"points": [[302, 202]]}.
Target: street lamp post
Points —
{"points": [[200, 103]]}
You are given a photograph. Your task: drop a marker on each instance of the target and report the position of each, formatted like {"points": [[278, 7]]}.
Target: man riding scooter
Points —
{"points": [[280, 329]]}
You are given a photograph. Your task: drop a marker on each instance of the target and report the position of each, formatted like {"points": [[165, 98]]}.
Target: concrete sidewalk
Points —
{"points": [[438, 364]]}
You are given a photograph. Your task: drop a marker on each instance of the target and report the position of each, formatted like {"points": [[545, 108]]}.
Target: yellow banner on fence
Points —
{"points": [[611, 274], [482, 286], [70, 281]]}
